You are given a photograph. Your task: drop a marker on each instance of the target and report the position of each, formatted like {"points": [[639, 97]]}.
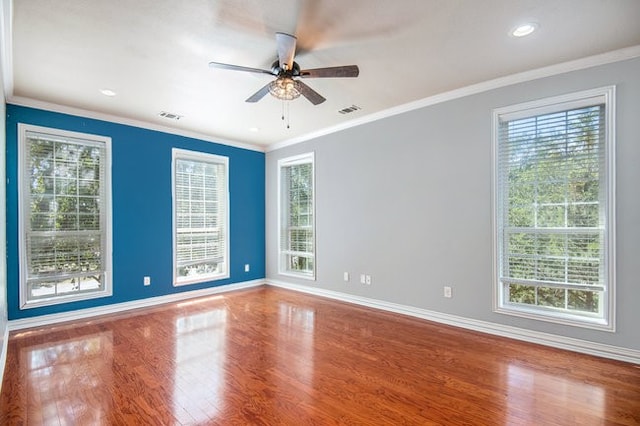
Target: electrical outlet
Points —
{"points": [[345, 276], [447, 292], [363, 279], [147, 280], [367, 279], [246, 267]]}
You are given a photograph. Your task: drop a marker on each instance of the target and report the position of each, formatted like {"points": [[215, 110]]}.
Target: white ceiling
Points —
{"points": [[155, 55]]}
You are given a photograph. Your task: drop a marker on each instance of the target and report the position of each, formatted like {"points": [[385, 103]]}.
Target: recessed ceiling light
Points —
{"points": [[524, 29], [108, 92]]}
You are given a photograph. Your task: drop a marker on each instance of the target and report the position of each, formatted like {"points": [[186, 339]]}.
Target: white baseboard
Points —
{"points": [[561, 342], [43, 320], [3, 355]]}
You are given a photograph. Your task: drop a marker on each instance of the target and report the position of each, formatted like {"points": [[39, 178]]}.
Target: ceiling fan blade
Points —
{"points": [[330, 72], [306, 91], [259, 94], [286, 50], [238, 68]]}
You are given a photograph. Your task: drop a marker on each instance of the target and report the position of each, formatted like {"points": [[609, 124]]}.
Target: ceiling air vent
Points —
{"points": [[170, 115], [350, 109]]}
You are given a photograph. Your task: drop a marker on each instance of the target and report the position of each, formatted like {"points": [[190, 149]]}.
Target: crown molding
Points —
{"points": [[536, 74], [6, 59], [78, 112]]}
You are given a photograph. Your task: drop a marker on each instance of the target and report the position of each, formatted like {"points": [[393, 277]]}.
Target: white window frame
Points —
{"points": [[183, 154], [606, 96], [282, 219], [24, 215]]}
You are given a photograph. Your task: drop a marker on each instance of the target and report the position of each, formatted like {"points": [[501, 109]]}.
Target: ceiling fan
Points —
{"points": [[287, 85]]}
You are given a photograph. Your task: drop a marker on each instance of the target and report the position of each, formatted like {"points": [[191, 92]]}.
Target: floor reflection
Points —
{"points": [[296, 326], [69, 379], [530, 392], [200, 364], [268, 356]]}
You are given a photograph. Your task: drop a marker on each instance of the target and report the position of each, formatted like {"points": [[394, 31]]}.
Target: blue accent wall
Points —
{"points": [[141, 209]]}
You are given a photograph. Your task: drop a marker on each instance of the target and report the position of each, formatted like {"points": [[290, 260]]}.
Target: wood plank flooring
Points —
{"points": [[268, 356]]}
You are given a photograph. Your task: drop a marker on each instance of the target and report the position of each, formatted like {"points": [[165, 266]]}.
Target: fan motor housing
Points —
{"points": [[277, 71]]}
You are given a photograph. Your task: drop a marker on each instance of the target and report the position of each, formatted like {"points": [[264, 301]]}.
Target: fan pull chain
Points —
{"points": [[287, 114]]}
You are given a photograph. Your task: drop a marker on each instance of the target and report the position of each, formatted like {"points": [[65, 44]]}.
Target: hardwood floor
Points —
{"points": [[268, 356]]}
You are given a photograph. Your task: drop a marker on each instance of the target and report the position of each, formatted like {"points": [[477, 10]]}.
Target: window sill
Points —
{"points": [[200, 279], [308, 277], [557, 318], [64, 299]]}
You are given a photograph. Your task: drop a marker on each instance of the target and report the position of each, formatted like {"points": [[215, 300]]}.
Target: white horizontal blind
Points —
{"points": [[64, 216], [200, 215], [552, 211], [297, 216]]}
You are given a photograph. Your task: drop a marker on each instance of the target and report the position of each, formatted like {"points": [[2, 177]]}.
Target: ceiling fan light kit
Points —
{"points": [[287, 85], [284, 88]]}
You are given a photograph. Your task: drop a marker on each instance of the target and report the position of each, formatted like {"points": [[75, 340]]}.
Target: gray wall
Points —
{"points": [[407, 199]]}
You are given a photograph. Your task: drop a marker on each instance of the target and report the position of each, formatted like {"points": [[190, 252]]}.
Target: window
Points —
{"points": [[200, 217], [65, 220], [296, 212], [554, 209]]}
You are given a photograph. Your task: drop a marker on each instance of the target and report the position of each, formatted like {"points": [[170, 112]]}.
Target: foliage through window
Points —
{"points": [[200, 204], [65, 217], [554, 209], [296, 213]]}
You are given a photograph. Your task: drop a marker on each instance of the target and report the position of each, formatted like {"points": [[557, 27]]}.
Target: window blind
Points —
{"points": [[552, 209], [200, 209], [64, 215], [297, 216]]}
